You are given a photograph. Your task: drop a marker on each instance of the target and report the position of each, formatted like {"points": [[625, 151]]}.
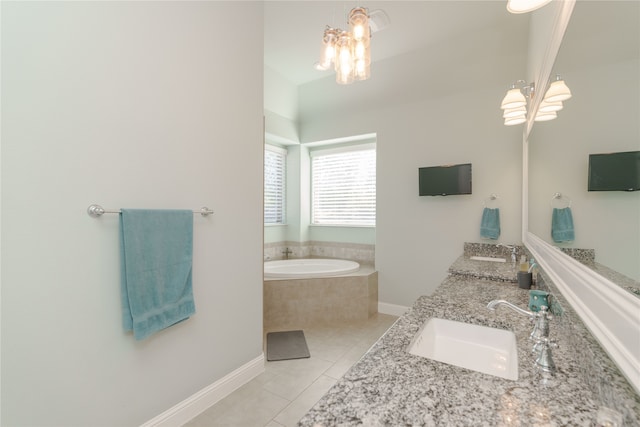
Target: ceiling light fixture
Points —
{"points": [[524, 6], [349, 52], [515, 101]]}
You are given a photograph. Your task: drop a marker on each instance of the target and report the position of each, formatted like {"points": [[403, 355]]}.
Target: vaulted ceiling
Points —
{"points": [[293, 29]]}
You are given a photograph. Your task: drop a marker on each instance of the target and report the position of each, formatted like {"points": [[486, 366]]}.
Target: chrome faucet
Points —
{"points": [[498, 302], [540, 334], [514, 251], [287, 252]]}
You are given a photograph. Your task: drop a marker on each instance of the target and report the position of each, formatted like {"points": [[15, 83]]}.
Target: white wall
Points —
{"points": [[280, 96], [444, 109], [281, 128], [124, 104]]}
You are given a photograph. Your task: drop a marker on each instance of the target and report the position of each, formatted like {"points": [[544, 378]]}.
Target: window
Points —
{"points": [[275, 165], [343, 186]]}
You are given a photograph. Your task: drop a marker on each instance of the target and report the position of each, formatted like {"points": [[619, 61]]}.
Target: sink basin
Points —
{"points": [[479, 348], [488, 258]]}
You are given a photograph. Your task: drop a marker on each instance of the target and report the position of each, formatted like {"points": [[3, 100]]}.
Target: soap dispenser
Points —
{"points": [[524, 265]]}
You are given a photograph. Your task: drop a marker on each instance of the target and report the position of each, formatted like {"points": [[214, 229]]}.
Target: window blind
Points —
{"points": [[343, 185], [274, 184]]}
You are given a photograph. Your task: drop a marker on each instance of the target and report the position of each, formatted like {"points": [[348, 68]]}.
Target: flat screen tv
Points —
{"points": [[614, 171], [445, 180]]}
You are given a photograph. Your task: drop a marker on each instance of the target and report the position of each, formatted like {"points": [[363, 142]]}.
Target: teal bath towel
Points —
{"points": [[156, 259], [490, 223], [562, 225]]}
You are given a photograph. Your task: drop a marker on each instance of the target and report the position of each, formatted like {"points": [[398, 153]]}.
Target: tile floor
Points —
{"points": [[288, 389]]}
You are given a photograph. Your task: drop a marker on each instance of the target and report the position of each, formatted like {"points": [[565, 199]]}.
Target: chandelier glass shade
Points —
{"points": [[348, 52], [344, 59], [328, 48]]}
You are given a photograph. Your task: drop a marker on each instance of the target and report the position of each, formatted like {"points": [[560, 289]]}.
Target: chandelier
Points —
{"points": [[348, 52]]}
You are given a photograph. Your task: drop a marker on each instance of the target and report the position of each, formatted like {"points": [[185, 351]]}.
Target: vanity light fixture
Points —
{"points": [[541, 116], [515, 120], [558, 91], [515, 101], [514, 97], [510, 113], [547, 107], [524, 6]]}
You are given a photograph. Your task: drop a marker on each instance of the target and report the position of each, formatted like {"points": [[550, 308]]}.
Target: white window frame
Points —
{"points": [[278, 211], [367, 218]]}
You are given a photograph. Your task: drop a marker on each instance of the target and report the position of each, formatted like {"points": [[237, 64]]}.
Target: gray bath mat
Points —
{"points": [[286, 345]]}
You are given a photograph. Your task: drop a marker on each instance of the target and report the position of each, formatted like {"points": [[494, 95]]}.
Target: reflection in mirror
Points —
{"points": [[600, 61]]}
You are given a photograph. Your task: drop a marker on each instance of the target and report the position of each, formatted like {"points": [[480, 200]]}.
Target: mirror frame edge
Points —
{"points": [[604, 307]]}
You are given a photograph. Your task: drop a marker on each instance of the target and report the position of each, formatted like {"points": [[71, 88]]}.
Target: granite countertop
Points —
{"points": [[390, 387], [633, 286], [497, 271]]}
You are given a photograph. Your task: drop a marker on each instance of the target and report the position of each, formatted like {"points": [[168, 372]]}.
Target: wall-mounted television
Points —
{"points": [[445, 180], [614, 171]]}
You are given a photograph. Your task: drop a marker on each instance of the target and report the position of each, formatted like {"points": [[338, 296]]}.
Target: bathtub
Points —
{"points": [[309, 268]]}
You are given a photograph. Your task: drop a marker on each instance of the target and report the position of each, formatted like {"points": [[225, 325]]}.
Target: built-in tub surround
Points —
{"points": [[361, 253], [297, 303]]}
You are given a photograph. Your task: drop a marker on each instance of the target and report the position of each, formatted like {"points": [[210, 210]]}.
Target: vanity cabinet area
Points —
{"points": [[390, 386]]}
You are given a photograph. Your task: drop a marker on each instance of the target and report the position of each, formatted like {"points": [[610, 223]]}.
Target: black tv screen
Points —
{"points": [[614, 171], [445, 180]]}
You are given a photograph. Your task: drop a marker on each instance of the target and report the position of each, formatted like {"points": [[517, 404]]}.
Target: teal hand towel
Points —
{"points": [[156, 248], [562, 225], [490, 223]]}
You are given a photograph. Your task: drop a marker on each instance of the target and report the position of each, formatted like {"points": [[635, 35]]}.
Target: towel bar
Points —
{"points": [[96, 211]]}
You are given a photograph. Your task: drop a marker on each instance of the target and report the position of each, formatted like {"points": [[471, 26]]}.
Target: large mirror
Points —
{"points": [[599, 61]]}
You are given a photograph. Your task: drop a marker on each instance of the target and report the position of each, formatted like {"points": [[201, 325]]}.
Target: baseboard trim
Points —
{"points": [[194, 405], [393, 309]]}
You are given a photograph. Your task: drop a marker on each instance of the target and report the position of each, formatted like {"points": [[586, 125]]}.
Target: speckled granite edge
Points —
{"points": [[491, 250], [626, 283], [487, 270]]}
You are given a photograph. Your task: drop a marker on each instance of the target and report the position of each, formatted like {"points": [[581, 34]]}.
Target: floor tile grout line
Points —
{"points": [[346, 340]]}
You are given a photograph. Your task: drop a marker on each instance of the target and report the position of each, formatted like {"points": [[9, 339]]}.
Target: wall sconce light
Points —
{"points": [[514, 103], [519, 94], [558, 91]]}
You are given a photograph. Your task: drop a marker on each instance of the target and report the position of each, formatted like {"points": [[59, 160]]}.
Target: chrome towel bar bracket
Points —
{"points": [[96, 211]]}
